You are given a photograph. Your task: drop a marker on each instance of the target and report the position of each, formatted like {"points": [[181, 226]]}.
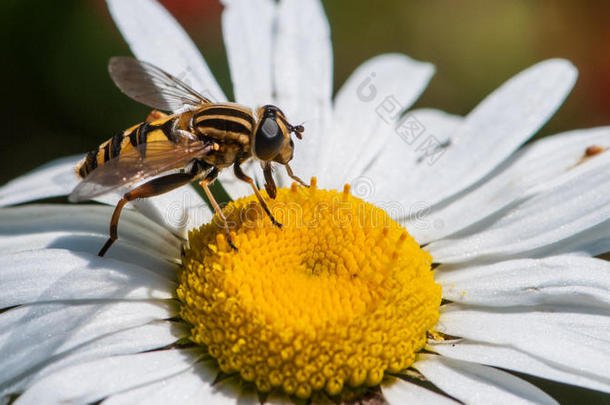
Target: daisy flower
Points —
{"points": [[495, 273]]}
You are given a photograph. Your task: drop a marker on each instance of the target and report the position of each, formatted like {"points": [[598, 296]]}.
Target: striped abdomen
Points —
{"points": [[136, 136]]}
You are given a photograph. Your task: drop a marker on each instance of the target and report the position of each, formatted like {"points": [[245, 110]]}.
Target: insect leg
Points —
{"points": [[269, 182], [152, 188], [293, 177], [204, 184], [244, 177]]}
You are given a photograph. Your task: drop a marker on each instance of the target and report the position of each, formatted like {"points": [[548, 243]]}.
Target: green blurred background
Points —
{"points": [[58, 99]]}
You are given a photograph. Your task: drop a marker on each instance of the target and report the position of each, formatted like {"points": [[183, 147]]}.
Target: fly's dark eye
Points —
{"points": [[268, 139]]}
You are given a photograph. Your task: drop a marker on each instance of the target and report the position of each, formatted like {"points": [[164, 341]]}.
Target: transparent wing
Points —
{"points": [[152, 86], [135, 164]]}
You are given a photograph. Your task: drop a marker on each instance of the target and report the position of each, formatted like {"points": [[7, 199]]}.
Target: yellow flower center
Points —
{"points": [[340, 295]]}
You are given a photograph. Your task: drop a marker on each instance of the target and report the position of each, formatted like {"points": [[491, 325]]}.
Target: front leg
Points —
{"points": [[239, 173], [293, 176], [269, 182]]}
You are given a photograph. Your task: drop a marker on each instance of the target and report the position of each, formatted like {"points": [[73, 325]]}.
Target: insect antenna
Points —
{"points": [[297, 130]]}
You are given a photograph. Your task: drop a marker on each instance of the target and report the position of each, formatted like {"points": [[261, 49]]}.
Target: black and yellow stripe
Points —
{"points": [[224, 121], [137, 136]]}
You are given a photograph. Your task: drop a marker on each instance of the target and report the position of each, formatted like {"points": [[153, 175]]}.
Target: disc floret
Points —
{"points": [[338, 297]]}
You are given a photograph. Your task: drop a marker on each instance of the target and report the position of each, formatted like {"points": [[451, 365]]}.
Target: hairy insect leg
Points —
{"points": [[152, 188], [244, 177], [204, 184], [293, 177], [269, 182]]}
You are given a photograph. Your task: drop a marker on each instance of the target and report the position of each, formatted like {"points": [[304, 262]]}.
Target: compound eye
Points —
{"points": [[268, 139]]}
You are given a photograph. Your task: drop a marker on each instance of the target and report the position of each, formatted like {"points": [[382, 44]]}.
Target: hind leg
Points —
{"points": [[293, 176], [152, 188], [269, 181]]}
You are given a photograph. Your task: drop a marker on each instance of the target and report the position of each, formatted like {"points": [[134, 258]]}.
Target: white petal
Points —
{"points": [[55, 275], [476, 384], [85, 219], [572, 337], [591, 242], [247, 32], [513, 359], [248, 396], [367, 111], [528, 173], [401, 392], [31, 335], [389, 173], [231, 389], [56, 178], [303, 77], [92, 381], [492, 131], [193, 386], [566, 279], [178, 211], [580, 200], [89, 244], [155, 36], [248, 35], [138, 339]]}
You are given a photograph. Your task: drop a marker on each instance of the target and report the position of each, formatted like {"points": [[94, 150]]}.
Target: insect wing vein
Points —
{"points": [[152, 86], [138, 163]]}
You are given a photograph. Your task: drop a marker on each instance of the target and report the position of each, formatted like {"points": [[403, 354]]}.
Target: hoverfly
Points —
{"points": [[200, 141]]}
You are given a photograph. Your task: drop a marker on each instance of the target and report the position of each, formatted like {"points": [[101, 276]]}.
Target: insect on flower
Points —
{"points": [[200, 141]]}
